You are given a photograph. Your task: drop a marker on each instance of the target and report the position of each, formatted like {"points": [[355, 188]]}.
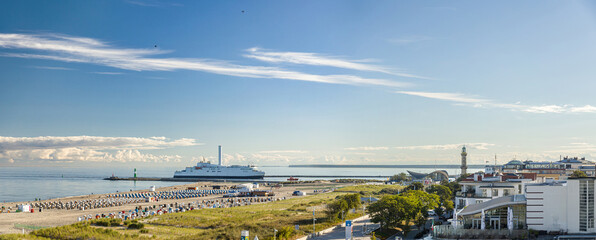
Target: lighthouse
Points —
{"points": [[464, 165]]}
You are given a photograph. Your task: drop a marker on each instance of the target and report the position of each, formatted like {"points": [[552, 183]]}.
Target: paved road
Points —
{"points": [[415, 230], [339, 233]]}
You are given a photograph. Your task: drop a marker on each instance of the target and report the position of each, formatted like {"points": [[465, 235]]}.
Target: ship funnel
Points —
{"points": [[219, 155]]}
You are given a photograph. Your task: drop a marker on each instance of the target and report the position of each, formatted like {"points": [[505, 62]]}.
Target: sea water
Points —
{"points": [[29, 183]]}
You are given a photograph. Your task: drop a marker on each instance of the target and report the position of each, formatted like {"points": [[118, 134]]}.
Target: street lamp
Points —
{"points": [[274, 233], [313, 221]]}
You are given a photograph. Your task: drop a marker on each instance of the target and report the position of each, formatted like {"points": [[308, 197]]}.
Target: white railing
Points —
{"points": [[447, 231]]}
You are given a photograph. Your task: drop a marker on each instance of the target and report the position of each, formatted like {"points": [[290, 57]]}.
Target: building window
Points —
{"points": [[586, 205], [495, 192]]}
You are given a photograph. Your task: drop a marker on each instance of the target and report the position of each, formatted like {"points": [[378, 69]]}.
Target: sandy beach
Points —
{"points": [[14, 222]]}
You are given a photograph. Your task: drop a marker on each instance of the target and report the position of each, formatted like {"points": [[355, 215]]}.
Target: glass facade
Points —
{"points": [[586, 205], [497, 218]]}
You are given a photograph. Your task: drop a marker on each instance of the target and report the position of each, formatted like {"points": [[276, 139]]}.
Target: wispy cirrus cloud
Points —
{"points": [[88, 148], [575, 148], [87, 50], [366, 148], [316, 59], [480, 146], [52, 68], [109, 73], [282, 151], [481, 102]]}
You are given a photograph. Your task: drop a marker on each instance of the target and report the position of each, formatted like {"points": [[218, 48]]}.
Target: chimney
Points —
{"points": [[219, 155]]}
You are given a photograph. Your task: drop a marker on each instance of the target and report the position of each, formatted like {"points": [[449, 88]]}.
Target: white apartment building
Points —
{"points": [[482, 187], [561, 206]]}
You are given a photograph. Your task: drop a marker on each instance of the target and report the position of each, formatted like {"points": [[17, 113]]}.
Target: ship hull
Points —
{"points": [[221, 177]]}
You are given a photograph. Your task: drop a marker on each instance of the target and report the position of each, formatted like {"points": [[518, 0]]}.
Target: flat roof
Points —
{"points": [[497, 187], [553, 183], [494, 203]]}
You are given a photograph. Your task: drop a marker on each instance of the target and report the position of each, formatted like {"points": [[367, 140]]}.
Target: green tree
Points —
{"points": [[343, 204], [391, 191], [402, 177], [424, 202], [335, 208], [445, 197], [453, 186], [415, 186], [463, 176], [578, 174], [353, 200], [391, 210]]}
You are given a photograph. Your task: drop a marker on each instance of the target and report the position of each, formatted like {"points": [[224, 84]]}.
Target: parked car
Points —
{"points": [[431, 213], [298, 193]]}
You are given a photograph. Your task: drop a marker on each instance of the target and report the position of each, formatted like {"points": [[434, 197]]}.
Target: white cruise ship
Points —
{"points": [[205, 169]]}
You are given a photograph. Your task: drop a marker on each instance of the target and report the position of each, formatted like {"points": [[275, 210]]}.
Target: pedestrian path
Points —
{"points": [[360, 228]]}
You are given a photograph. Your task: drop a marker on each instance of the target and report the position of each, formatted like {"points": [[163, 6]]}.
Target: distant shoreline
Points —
{"points": [[382, 166]]}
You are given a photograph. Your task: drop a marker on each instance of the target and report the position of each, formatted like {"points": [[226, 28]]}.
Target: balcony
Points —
{"points": [[467, 194], [471, 194]]}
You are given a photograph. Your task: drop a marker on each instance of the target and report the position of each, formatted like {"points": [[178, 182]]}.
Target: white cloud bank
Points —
{"points": [[87, 50], [480, 102], [88, 148]]}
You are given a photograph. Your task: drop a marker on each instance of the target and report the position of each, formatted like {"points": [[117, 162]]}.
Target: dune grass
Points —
{"points": [[259, 219], [216, 223], [366, 190]]}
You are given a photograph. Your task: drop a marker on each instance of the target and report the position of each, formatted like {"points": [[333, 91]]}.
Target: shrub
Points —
{"points": [[107, 222], [144, 231], [136, 225], [286, 233], [128, 222]]}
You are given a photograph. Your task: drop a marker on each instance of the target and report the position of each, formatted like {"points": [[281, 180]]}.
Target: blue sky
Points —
{"points": [[389, 82]]}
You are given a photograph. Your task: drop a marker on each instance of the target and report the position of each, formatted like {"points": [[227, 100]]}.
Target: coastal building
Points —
{"points": [[562, 206], [575, 163], [435, 176], [507, 212], [556, 170], [481, 187], [555, 206], [529, 195]]}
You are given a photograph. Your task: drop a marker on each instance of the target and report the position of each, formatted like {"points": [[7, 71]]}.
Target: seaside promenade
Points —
{"points": [[361, 227]]}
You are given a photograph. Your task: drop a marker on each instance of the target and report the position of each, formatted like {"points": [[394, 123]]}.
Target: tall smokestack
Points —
{"points": [[219, 155]]}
